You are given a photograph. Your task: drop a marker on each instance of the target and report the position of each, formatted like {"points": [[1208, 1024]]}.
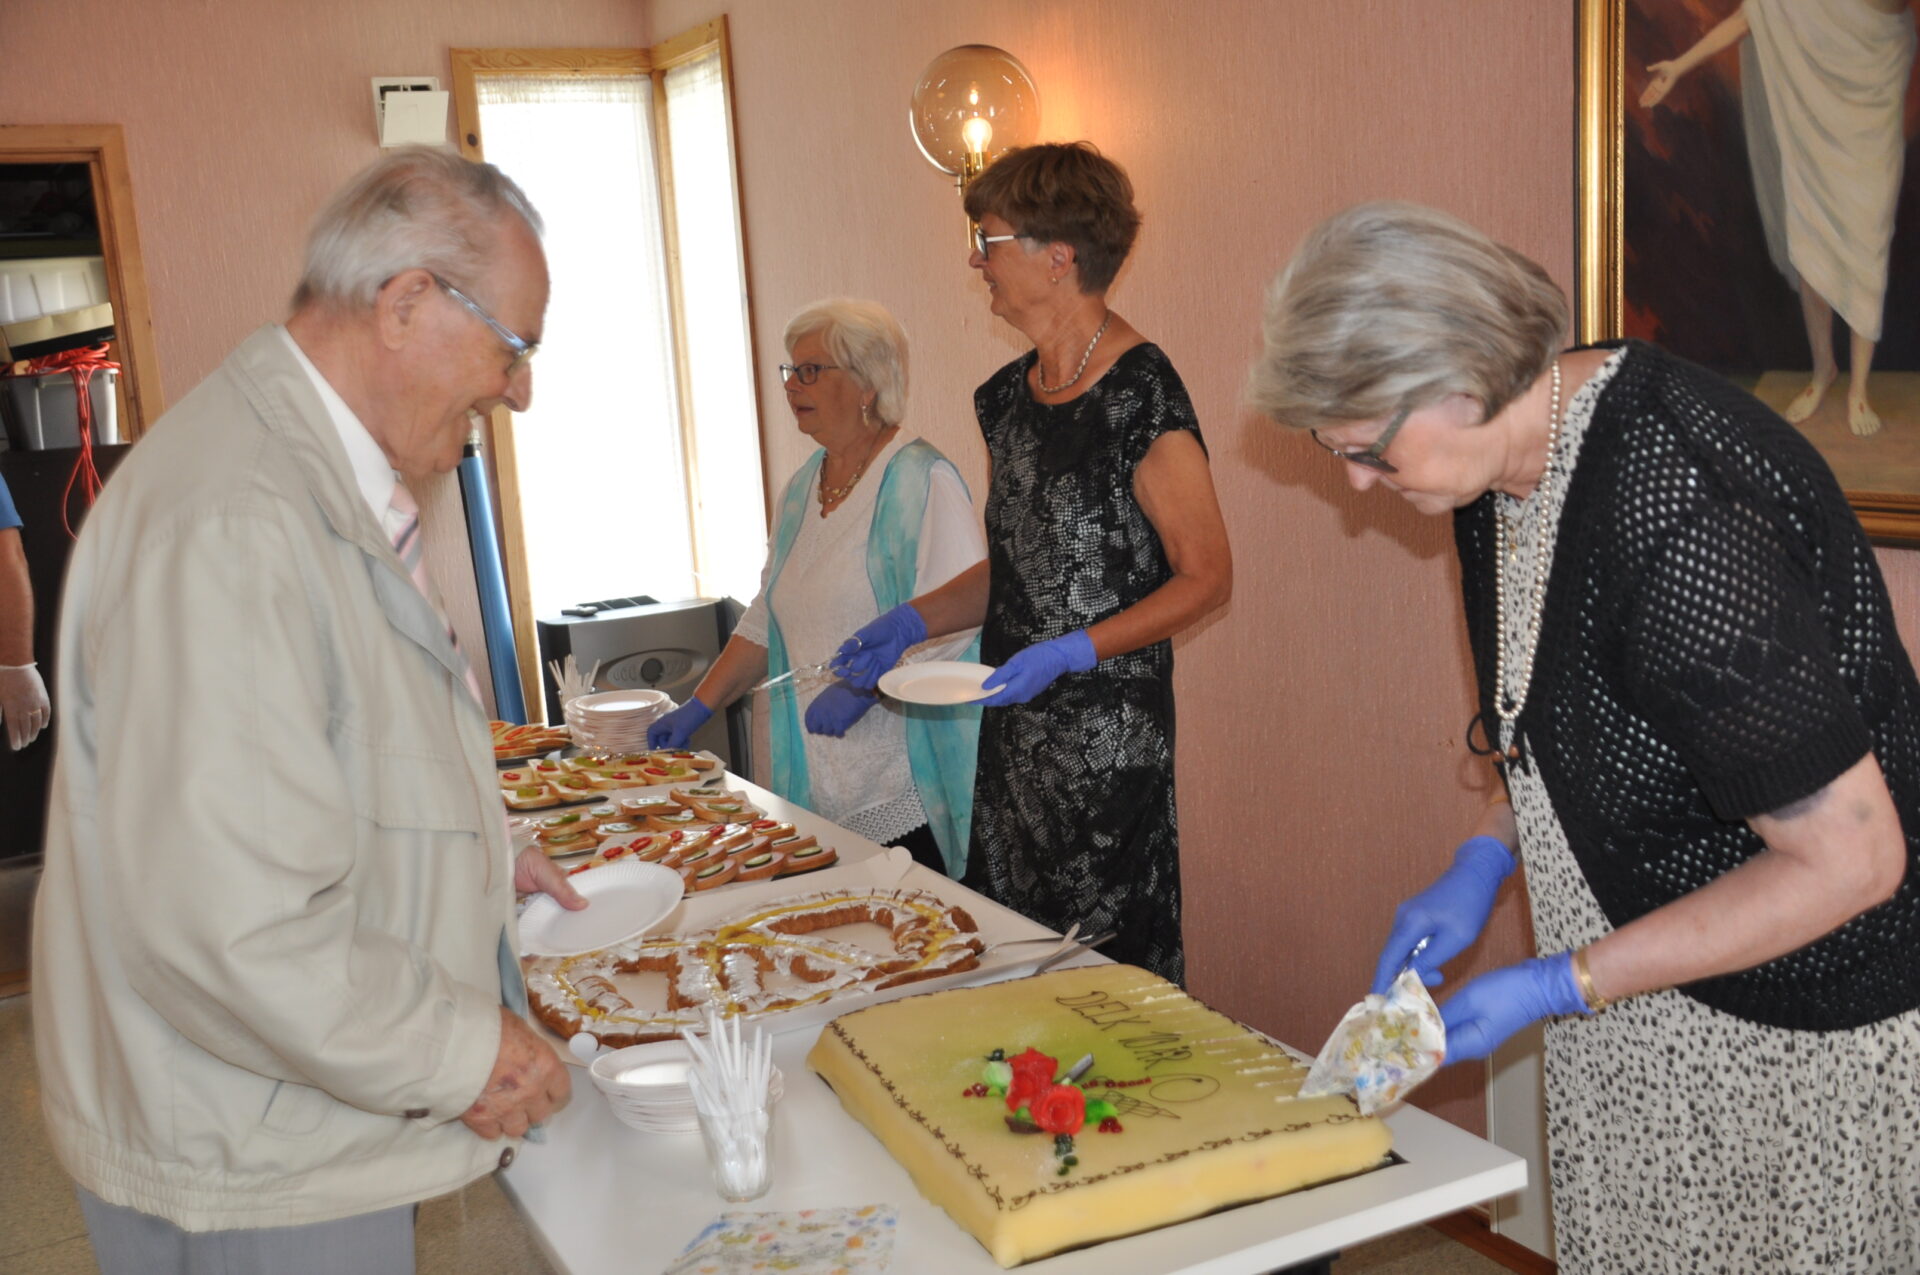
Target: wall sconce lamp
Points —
{"points": [[972, 105]]}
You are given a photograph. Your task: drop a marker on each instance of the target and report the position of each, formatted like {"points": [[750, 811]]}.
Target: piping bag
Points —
{"points": [[1382, 1048]]}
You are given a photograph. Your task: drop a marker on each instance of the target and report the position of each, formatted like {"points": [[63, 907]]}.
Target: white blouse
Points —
{"points": [[861, 780]]}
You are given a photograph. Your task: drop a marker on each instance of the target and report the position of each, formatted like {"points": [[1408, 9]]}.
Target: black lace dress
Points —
{"points": [[1073, 817]]}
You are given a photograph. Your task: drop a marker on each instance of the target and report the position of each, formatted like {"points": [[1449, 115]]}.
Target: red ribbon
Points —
{"points": [[81, 364]]}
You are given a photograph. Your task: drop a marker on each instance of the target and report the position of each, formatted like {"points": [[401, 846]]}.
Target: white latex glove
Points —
{"points": [[23, 704]]}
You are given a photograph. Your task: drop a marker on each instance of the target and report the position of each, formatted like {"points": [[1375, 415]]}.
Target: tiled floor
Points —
{"points": [[473, 1232]]}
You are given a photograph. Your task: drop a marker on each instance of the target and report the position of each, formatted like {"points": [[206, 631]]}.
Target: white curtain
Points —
{"points": [[601, 467], [730, 511]]}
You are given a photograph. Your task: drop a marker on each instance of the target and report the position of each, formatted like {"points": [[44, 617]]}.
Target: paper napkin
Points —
{"points": [[810, 1242]]}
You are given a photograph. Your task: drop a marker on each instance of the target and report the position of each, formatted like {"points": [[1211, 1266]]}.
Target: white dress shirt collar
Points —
{"points": [[370, 468]]}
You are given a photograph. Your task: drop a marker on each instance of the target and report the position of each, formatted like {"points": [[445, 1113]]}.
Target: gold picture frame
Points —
{"points": [[1885, 498]]}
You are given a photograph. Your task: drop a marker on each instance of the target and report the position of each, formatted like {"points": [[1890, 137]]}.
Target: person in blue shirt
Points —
{"points": [[24, 710]]}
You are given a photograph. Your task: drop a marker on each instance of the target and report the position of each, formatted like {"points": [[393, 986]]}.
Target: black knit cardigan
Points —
{"points": [[1716, 643]]}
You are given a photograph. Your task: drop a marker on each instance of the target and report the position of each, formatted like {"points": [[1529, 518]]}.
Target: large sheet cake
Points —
{"points": [[1185, 1110]]}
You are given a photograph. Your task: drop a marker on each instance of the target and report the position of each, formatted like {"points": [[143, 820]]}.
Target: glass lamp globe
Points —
{"points": [[972, 105]]}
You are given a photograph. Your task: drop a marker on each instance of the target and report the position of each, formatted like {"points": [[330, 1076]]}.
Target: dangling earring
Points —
{"points": [[863, 415]]}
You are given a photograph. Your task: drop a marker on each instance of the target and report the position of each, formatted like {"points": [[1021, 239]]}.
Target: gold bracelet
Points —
{"points": [[1583, 978]]}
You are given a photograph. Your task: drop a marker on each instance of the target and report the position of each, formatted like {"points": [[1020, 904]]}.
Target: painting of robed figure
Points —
{"points": [[1761, 214]]}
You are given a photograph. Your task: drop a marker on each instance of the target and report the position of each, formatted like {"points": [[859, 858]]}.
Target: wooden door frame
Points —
{"points": [[102, 148]]}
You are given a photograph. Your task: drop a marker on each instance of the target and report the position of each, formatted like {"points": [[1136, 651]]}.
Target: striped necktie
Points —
{"points": [[403, 528]]}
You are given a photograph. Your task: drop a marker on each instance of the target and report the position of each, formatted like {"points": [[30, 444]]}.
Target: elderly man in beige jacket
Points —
{"points": [[273, 944]]}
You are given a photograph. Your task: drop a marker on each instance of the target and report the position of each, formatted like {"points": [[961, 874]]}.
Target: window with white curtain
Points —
{"points": [[636, 470]]}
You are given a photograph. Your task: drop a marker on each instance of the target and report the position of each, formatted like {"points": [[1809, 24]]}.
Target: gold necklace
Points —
{"points": [[1508, 703], [832, 495], [1040, 376]]}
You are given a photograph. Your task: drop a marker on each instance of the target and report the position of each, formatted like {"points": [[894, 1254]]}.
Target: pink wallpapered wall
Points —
{"points": [[1321, 771], [1321, 774]]}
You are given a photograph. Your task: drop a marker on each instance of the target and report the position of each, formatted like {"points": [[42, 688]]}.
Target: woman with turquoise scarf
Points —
{"points": [[872, 518]]}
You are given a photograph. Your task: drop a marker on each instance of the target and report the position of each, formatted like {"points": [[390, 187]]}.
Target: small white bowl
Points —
{"points": [[646, 1085]]}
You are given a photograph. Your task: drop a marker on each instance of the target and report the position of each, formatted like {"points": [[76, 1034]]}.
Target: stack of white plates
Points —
{"points": [[646, 1085], [615, 721]]}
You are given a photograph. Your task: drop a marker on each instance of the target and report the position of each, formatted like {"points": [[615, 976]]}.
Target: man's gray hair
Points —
{"points": [[417, 207], [1391, 305], [865, 339]]}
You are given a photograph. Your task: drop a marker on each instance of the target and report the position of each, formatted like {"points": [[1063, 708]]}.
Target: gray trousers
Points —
{"points": [[129, 1242]]}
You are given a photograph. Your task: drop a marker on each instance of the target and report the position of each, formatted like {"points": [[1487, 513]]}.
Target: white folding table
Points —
{"points": [[603, 1199]]}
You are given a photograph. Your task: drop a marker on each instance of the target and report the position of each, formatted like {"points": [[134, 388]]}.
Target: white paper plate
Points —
{"points": [[617, 702], [937, 682], [623, 899]]}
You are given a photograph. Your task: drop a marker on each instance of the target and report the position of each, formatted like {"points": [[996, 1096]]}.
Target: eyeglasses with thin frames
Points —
{"points": [[983, 241], [523, 349], [805, 373], [1370, 457]]}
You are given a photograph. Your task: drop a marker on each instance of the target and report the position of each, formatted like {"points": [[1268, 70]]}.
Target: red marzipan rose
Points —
{"points": [[1033, 1071], [1061, 1109]]}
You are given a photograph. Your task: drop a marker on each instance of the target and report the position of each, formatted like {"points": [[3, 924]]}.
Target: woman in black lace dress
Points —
{"points": [[1104, 540], [1710, 734]]}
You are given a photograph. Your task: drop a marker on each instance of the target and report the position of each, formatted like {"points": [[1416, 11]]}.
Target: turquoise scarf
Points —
{"points": [[941, 741]]}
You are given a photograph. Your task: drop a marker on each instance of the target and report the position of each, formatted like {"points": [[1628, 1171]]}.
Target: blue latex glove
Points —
{"points": [[1496, 1005], [837, 708], [876, 648], [674, 729], [1034, 669], [1449, 914]]}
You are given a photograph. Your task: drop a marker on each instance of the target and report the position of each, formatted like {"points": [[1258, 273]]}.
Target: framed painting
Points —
{"points": [[1749, 198]]}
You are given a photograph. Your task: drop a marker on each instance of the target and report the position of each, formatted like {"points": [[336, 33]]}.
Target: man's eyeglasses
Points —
{"points": [[805, 373], [523, 349], [982, 240], [1370, 458]]}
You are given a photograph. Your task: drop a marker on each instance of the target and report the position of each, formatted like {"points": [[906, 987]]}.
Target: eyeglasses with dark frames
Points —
{"points": [[805, 373], [1370, 457], [523, 349], [983, 241]]}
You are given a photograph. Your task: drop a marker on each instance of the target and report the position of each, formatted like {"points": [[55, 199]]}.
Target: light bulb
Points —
{"points": [[978, 134]]}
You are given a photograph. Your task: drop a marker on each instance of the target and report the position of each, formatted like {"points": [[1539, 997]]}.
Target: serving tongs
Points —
{"points": [[791, 673], [820, 667], [1071, 944]]}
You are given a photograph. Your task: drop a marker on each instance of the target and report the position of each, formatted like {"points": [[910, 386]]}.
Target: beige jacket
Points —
{"points": [[266, 976]]}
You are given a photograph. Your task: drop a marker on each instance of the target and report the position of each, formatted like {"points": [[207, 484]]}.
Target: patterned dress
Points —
{"points": [[1073, 818], [1684, 1140]]}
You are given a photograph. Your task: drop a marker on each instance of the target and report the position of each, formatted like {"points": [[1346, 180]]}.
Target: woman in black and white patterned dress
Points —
{"points": [[1104, 540], [1710, 733]]}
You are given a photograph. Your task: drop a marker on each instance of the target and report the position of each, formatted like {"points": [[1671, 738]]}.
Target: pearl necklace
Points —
{"points": [[1040, 377], [1508, 702]]}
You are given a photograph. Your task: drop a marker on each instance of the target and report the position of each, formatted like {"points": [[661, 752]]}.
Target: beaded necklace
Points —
{"points": [[1509, 700]]}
